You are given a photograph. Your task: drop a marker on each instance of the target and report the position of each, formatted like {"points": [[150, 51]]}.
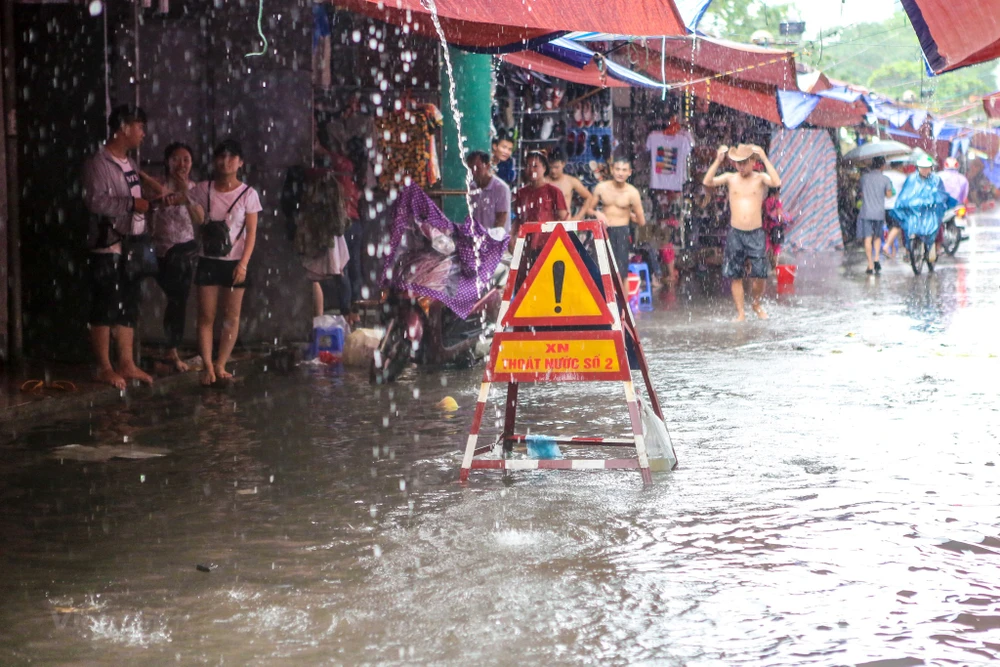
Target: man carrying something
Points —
{"points": [[619, 201], [112, 191], [745, 241]]}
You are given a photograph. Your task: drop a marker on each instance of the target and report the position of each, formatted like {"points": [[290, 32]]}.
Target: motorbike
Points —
{"points": [[953, 230], [444, 285]]}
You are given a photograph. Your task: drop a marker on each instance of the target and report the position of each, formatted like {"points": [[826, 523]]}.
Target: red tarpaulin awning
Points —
{"points": [[494, 25], [746, 62], [752, 98], [588, 76], [954, 35]]}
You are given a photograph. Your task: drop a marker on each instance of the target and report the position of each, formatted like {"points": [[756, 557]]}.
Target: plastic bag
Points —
{"points": [[360, 346], [659, 448], [330, 322], [542, 447]]}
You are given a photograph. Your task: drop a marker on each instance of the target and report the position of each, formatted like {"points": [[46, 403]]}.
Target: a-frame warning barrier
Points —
{"points": [[561, 323]]}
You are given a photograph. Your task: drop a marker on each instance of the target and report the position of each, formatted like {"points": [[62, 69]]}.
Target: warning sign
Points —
{"points": [[584, 355], [558, 290]]}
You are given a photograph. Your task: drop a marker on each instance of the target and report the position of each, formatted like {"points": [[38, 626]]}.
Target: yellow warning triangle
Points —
{"points": [[558, 290]]}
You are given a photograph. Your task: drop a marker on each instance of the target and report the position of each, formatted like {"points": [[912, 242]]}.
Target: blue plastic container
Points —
{"points": [[327, 340]]}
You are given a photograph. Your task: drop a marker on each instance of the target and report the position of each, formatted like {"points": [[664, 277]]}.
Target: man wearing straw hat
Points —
{"points": [[745, 241]]}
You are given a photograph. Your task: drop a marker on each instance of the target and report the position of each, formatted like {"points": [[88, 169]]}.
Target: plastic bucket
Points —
{"points": [[786, 274], [634, 282]]}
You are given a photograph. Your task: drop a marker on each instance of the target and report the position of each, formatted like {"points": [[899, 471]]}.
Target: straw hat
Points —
{"points": [[740, 153]]}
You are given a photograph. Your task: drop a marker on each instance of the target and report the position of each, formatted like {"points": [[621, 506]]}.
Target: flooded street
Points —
{"points": [[835, 504]]}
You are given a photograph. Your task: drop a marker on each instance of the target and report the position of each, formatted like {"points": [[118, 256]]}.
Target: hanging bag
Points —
{"points": [[215, 240]]}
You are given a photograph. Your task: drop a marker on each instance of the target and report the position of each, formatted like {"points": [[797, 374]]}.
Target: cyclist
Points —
{"points": [[920, 206]]}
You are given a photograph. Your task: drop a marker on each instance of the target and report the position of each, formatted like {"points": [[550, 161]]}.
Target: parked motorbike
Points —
{"points": [[953, 229], [444, 285]]}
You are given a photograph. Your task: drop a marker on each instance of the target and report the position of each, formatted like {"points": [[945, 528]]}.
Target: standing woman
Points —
{"points": [[229, 234], [176, 248]]}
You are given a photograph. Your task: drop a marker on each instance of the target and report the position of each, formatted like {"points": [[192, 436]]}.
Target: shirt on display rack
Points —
{"points": [[668, 160], [406, 147]]}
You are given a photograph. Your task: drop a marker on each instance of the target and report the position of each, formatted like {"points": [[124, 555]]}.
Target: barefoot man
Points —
{"points": [[746, 241], [619, 201], [112, 190]]}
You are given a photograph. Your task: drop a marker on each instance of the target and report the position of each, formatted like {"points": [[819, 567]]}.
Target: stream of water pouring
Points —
{"points": [[457, 115]]}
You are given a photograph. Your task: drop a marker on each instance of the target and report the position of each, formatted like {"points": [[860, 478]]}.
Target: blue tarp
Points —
{"points": [[569, 52]]}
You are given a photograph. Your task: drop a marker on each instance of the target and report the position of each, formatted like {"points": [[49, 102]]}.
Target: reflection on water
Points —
{"points": [[836, 504]]}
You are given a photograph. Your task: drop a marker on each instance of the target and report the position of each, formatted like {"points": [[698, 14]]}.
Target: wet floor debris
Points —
{"points": [[106, 453], [206, 567]]}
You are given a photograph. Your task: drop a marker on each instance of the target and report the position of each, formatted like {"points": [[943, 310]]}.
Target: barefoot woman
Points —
{"points": [[229, 234]]}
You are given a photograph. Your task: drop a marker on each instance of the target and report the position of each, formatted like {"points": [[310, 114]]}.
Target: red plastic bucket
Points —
{"points": [[786, 274]]}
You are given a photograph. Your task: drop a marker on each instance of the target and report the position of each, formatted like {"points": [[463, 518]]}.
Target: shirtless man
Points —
{"points": [[746, 241], [568, 185], [619, 202]]}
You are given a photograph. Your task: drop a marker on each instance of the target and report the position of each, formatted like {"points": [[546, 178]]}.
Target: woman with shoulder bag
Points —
{"points": [[176, 247], [228, 237]]}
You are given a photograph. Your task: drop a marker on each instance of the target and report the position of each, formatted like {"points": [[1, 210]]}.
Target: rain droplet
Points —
{"points": [[142, 479]]}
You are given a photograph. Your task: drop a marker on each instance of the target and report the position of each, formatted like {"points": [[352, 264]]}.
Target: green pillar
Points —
{"points": [[474, 97]]}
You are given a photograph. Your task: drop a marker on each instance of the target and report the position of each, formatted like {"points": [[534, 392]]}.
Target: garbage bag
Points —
{"points": [[360, 346], [659, 448], [542, 447]]}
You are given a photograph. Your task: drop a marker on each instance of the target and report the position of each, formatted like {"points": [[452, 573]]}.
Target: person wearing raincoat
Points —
{"points": [[921, 204]]}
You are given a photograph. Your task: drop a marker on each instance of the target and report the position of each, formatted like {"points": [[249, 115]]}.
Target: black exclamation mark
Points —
{"points": [[558, 273]]}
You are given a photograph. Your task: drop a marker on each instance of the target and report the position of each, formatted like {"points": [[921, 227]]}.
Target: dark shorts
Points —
{"points": [[742, 246], [868, 228], [891, 220], [213, 272], [114, 296], [621, 244]]}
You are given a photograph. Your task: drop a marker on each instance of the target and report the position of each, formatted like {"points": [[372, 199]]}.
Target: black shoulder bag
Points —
{"points": [[139, 252], [215, 241]]}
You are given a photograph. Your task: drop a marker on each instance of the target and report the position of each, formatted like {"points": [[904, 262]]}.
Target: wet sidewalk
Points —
{"points": [[37, 389]]}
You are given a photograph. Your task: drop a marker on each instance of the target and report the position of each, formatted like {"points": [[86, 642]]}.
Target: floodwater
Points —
{"points": [[836, 504]]}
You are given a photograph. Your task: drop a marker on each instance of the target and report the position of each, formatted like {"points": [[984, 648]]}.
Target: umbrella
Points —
{"points": [[877, 149]]}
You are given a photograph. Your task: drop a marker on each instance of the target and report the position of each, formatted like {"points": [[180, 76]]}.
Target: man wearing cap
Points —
{"points": [[746, 239]]}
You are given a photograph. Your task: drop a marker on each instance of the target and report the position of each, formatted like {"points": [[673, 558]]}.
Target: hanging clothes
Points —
{"points": [[404, 144]]}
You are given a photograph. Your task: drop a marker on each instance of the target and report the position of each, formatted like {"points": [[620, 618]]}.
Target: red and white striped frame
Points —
{"points": [[613, 293]]}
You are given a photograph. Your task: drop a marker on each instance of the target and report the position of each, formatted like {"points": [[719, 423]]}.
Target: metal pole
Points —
{"points": [[13, 185]]}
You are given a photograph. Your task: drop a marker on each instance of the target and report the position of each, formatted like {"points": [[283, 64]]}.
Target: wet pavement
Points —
{"points": [[835, 504]]}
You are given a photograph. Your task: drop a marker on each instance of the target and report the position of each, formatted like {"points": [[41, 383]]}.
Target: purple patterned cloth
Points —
{"points": [[411, 254]]}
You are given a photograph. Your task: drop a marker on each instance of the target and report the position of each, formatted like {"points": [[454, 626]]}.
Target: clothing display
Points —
{"points": [[405, 146], [668, 160]]}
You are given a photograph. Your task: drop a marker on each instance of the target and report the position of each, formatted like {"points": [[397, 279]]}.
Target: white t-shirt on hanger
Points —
{"points": [[668, 154]]}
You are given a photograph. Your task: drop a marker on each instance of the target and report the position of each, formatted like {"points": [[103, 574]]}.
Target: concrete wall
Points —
{"points": [[198, 86]]}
